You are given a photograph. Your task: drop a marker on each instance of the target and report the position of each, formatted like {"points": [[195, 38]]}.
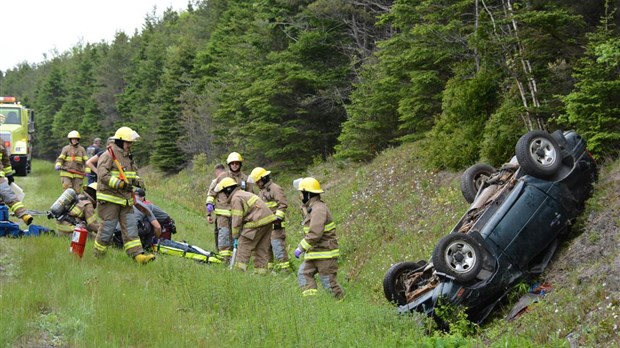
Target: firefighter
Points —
{"points": [[319, 244], [219, 204], [6, 179], [71, 163], [117, 174], [219, 169], [273, 195], [83, 211], [251, 225]]}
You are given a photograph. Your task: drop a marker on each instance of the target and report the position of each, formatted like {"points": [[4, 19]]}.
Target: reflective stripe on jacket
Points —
{"points": [[248, 212], [72, 158], [108, 175], [320, 241]]}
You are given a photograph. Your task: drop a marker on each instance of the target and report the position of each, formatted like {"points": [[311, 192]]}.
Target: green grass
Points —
{"points": [[386, 211]]}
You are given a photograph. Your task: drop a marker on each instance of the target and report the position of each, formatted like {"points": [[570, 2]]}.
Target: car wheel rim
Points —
{"points": [[460, 257], [543, 152]]}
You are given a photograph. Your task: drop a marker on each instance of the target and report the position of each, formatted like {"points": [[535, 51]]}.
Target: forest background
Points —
{"points": [[291, 83]]}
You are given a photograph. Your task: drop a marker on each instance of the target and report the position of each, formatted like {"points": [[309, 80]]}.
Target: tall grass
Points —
{"points": [[386, 211], [51, 298]]}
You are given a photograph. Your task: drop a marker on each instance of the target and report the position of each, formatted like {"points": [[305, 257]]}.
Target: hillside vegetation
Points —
{"points": [[387, 211]]}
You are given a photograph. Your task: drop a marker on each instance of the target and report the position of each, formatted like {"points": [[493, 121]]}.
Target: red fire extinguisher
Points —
{"points": [[78, 240]]}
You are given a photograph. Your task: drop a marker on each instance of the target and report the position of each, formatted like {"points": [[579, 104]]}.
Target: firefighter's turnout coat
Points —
{"points": [[251, 224], [72, 158], [7, 195], [320, 241], [82, 211]]}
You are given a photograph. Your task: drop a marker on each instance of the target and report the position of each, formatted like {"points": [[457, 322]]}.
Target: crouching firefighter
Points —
{"points": [[319, 243], [71, 209], [251, 226], [273, 195], [116, 176]]}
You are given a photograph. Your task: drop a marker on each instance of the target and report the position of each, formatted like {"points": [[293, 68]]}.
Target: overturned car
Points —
{"points": [[510, 231]]}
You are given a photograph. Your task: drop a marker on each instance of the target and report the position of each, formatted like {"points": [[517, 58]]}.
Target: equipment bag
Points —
{"points": [[170, 247], [10, 229]]}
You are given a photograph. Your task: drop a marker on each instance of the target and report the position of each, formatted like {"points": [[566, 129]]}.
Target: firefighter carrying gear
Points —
{"points": [[8, 196], [114, 204], [73, 135], [70, 210], [72, 164], [251, 225], [319, 244]]}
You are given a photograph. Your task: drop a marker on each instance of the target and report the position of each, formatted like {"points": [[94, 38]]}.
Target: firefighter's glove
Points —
{"points": [[277, 225], [10, 179], [210, 208], [298, 252], [235, 243]]}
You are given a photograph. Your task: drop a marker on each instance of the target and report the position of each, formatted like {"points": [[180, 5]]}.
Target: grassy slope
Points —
{"points": [[387, 211]]}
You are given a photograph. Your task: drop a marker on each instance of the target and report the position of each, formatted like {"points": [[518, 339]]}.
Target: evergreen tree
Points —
{"points": [[593, 108]]}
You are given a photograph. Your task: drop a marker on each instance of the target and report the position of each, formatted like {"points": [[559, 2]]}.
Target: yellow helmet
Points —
{"points": [[226, 182], [257, 174], [308, 184], [234, 157], [93, 186], [74, 135], [126, 134]]}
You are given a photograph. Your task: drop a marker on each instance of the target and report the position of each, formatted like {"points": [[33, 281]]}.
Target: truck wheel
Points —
{"points": [[458, 255], [21, 170], [394, 287], [473, 178], [539, 154]]}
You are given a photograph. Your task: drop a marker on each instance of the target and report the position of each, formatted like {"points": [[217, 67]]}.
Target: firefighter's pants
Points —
{"points": [[277, 248], [258, 245], [327, 270], [224, 236], [74, 183], [112, 214], [10, 199]]}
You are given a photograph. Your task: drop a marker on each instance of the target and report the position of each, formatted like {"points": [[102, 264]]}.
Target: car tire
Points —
{"points": [[473, 178], [458, 255], [539, 154], [394, 281]]}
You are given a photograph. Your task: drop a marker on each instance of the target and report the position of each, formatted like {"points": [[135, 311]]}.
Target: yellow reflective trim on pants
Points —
{"points": [[16, 206], [241, 266], [284, 264], [262, 222], [310, 292], [222, 212], [261, 271], [236, 231], [132, 244], [225, 253], [100, 247], [317, 255]]}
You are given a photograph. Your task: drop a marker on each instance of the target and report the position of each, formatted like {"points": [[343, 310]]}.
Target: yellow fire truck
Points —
{"points": [[17, 133]]}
